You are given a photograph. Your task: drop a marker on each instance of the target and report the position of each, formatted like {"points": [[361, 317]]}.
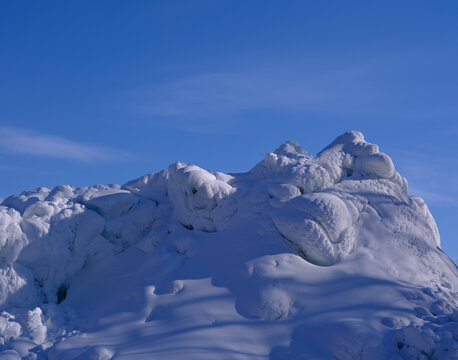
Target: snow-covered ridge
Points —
{"points": [[347, 207]]}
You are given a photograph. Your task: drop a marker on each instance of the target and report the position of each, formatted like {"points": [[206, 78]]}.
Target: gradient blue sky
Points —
{"points": [[106, 91]]}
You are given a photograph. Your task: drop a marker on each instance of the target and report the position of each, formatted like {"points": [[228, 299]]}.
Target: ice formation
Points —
{"points": [[295, 248]]}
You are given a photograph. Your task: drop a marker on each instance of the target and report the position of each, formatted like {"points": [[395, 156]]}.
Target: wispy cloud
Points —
{"points": [[226, 93], [213, 102], [434, 197], [311, 86], [431, 177], [20, 141]]}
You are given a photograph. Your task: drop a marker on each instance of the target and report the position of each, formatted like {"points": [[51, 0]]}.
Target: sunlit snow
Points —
{"points": [[299, 258]]}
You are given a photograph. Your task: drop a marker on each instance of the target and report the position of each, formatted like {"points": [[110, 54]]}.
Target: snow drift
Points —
{"points": [[301, 257]]}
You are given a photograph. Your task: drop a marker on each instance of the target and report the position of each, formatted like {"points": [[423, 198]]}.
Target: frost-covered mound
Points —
{"points": [[299, 258]]}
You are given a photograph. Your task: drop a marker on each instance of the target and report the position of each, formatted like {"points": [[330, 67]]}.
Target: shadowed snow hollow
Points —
{"points": [[297, 243]]}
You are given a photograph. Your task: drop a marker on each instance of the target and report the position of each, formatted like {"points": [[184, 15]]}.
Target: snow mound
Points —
{"points": [[198, 196], [319, 226], [276, 257], [320, 200]]}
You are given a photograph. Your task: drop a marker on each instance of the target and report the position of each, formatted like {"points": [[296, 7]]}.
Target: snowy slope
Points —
{"points": [[299, 258]]}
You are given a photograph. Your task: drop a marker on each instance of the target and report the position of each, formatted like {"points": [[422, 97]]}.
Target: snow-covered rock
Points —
{"points": [[301, 257], [197, 195]]}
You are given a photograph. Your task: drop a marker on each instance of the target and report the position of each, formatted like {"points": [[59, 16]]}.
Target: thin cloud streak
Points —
{"points": [[20, 141], [434, 197], [307, 87], [212, 102], [430, 177], [216, 94]]}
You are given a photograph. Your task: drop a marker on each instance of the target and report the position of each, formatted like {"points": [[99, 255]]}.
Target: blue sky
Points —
{"points": [[106, 91]]}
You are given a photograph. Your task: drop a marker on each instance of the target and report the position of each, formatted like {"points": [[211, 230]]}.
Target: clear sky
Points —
{"points": [[106, 91]]}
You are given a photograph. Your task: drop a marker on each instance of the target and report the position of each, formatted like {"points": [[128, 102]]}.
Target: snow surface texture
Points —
{"points": [[299, 258]]}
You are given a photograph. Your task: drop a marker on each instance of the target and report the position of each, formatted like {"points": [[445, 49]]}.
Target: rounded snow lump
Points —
{"points": [[100, 353], [9, 355], [269, 304], [379, 165], [315, 224]]}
